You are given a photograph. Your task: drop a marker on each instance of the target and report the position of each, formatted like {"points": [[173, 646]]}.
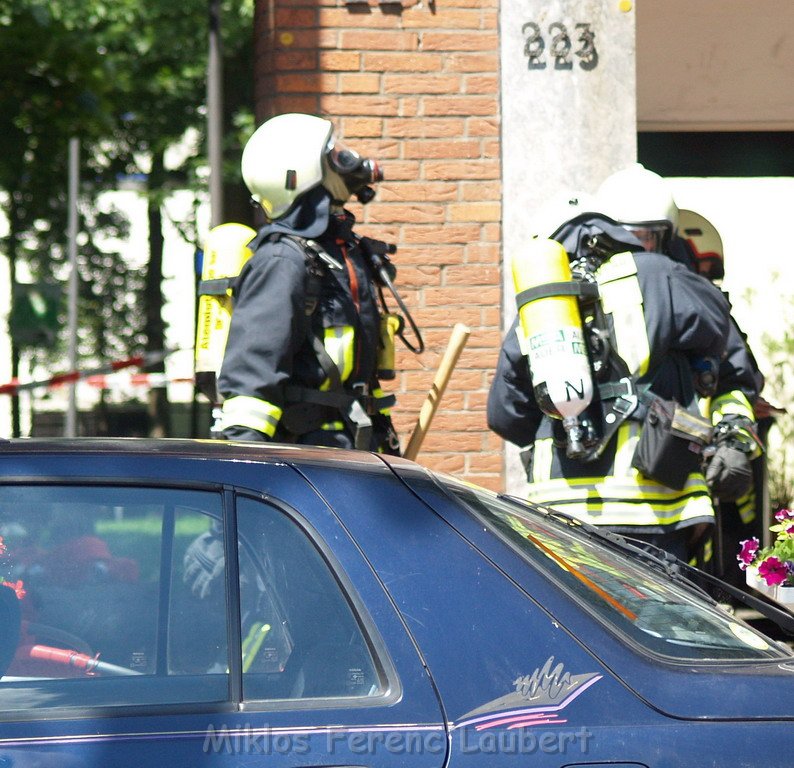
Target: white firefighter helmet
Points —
{"points": [[284, 159], [705, 243], [641, 201], [547, 220]]}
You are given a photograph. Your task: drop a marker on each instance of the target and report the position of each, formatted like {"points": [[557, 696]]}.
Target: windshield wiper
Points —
{"points": [[672, 566], [782, 618]]}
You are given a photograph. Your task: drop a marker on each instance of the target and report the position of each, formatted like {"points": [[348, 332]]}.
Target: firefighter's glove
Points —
{"points": [[204, 561], [729, 474]]}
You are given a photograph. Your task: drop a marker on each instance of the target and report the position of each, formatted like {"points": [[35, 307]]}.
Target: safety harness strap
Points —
{"points": [[578, 288], [330, 369], [622, 388], [353, 408], [220, 286], [338, 399]]}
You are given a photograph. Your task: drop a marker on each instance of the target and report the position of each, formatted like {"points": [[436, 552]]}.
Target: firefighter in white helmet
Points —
{"points": [[699, 246], [300, 363], [642, 201], [644, 319]]}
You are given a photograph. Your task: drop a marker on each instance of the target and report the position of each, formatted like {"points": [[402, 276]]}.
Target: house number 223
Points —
{"points": [[560, 46]]}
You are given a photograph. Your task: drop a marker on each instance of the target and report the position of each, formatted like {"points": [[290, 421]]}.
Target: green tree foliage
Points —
{"points": [[129, 79], [779, 352]]}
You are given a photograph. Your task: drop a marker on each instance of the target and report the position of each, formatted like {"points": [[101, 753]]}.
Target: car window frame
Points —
{"points": [[381, 658], [122, 710], [234, 701]]}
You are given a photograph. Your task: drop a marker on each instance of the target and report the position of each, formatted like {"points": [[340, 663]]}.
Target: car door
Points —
{"points": [[159, 624]]}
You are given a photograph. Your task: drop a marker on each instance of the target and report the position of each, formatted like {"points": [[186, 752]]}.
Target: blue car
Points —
{"points": [[207, 603]]}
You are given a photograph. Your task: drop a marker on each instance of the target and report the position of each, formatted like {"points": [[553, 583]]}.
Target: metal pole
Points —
{"points": [[215, 114], [70, 426], [562, 61]]}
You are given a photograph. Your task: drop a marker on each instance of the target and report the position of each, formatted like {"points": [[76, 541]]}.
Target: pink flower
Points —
{"points": [[2, 547], [783, 515], [773, 571], [748, 551], [18, 587]]}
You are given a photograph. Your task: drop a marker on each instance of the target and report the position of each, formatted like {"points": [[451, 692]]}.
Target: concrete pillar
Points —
{"points": [[569, 115]]}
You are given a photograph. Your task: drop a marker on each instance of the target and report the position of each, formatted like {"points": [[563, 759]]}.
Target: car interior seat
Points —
{"points": [[332, 668]]}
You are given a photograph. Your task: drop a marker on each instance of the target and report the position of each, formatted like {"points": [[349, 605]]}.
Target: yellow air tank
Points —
{"points": [[551, 336], [225, 252]]}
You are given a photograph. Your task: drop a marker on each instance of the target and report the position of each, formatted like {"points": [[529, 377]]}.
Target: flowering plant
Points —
{"points": [[775, 564], [18, 586]]}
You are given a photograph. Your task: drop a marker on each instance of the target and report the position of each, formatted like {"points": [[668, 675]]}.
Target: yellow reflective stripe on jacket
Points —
{"points": [[621, 298], [735, 403], [250, 412], [333, 426], [542, 455], [339, 343], [626, 444], [598, 501], [376, 393], [625, 497]]}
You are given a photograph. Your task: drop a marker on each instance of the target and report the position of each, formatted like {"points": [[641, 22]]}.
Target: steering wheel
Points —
{"points": [[44, 632]]}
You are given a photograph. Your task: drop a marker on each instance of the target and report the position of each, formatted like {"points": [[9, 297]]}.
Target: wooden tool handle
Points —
{"points": [[457, 340]]}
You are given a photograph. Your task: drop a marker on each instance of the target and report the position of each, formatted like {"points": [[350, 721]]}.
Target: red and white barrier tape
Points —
{"points": [[137, 361], [120, 380]]}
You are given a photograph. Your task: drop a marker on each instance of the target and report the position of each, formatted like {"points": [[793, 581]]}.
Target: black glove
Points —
{"points": [[729, 474], [204, 561]]}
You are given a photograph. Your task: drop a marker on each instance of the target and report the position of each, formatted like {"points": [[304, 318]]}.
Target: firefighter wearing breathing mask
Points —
{"points": [[699, 246], [644, 318], [300, 363]]}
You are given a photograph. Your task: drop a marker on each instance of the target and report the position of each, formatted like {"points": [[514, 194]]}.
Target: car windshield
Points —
{"points": [[639, 601]]}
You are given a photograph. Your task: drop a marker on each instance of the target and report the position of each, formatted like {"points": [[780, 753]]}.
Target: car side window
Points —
{"points": [[100, 601], [301, 639]]}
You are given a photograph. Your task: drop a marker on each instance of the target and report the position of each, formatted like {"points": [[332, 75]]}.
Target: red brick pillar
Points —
{"points": [[415, 85]]}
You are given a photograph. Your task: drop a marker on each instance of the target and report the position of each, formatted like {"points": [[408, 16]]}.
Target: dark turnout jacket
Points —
{"points": [[279, 320]]}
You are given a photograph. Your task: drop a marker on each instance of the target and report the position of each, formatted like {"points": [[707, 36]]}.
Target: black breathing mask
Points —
{"points": [[356, 172]]}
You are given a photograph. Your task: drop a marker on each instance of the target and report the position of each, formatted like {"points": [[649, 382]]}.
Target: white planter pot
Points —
{"points": [[756, 582], [785, 595]]}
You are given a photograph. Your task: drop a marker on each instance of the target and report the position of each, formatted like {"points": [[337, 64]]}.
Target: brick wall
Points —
{"points": [[415, 85]]}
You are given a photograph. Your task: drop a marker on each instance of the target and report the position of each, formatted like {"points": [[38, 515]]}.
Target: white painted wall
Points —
{"points": [[751, 215]]}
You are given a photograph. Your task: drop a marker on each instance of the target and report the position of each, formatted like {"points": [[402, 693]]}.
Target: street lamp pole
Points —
{"points": [[70, 425], [215, 114]]}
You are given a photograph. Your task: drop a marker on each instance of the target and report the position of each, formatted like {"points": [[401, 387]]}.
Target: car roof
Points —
{"points": [[193, 448]]}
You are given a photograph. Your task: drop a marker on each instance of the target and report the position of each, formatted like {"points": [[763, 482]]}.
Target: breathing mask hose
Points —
{"points": [[386, 271], [420, 344]]}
